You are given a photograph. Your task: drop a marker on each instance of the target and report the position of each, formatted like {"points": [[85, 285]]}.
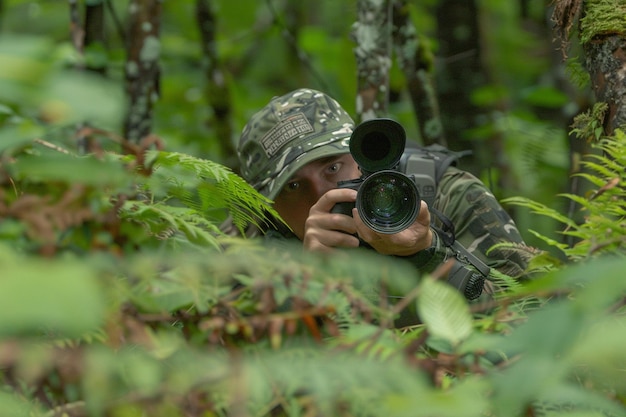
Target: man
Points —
{"points": [[296, 149]]}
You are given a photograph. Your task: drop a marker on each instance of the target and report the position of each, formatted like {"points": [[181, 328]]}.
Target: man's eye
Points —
{"points": [[292, 186], [334, 167]]}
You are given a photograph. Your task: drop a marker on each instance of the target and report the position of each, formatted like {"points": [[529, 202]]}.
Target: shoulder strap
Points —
{"points": [[444, 158]]}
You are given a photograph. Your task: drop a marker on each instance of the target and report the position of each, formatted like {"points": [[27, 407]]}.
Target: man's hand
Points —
{"points": [[415, 238], [324, 230]]}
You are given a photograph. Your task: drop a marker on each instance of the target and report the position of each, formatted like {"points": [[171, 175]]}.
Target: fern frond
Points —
{"points": [[541, 209], [208, 188], [163, 221]]}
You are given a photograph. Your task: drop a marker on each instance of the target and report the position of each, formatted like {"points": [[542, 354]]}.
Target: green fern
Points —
{"points": [[209, 189], [604, 227], [174, 199]]}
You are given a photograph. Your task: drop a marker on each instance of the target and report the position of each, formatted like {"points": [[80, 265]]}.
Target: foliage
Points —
{"points": [[603, 229], [121, 295], [54, 199], [229, 326]]}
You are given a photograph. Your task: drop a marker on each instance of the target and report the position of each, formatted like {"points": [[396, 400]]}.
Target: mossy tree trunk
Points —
{"points": [[602, 35], [383, 27]]}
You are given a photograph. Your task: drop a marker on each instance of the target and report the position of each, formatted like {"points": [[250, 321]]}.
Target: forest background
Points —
{"points": [[120, 296], [501, 81]]}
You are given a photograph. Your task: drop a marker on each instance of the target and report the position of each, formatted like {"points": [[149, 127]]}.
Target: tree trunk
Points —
{"points": [[77, 32], [216, 87], [416, 62], [603, 38], [459, 73], [605, 59], [142, 67], [372, 34]]}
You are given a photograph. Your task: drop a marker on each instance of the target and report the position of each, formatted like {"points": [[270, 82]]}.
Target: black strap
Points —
{"points": [[446, 233]]}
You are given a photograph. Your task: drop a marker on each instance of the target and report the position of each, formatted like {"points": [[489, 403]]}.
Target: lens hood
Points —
{"points": [[377, 144]]}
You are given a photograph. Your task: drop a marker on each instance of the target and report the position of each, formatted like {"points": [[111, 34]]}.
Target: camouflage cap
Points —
{"points": [[288, 133]]}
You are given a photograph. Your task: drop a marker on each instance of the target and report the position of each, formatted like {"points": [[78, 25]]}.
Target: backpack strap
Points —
{"points": [[444, 158]]}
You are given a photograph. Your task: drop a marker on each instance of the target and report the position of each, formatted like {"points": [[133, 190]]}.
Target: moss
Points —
{"points": [[603, 17]]}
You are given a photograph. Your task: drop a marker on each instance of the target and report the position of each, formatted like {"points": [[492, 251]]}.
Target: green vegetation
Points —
{"points": [[121, 296]]}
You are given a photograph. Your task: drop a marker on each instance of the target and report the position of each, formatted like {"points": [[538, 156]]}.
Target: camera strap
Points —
{"points": [[446, 233]]}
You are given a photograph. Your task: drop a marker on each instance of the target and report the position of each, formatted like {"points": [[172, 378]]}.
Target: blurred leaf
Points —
{"points": [[15, 136], [444, 311], [37, 297], [74, 97], [12, 405], [25, 65], [73, 169], [467, 399], [545, 97]]}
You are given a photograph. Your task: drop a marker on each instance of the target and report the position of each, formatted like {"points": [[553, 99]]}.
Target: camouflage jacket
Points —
{"points": [[479, 221]]}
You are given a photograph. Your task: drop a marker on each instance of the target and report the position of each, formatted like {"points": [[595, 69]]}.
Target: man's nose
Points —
{"points": [[321, 187]]}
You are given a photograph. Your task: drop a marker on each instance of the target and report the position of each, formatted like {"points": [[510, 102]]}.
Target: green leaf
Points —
{"points": [[444, 311], [11, 405], [17, 136], [38, 296], [68, 168], [546, 97]]}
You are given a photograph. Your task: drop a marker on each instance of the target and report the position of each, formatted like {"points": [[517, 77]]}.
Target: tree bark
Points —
{"points": [[142, 67], [460, 72], [216, 87], [77, 32], [602, 34], [372, 34], [416, 62], [605, 59]]}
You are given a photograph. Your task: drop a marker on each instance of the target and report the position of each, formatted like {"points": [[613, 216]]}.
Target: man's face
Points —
{"points": [[308, 184]]}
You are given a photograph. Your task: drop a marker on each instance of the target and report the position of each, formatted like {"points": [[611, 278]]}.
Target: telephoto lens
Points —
{"points": [[388, 201]]}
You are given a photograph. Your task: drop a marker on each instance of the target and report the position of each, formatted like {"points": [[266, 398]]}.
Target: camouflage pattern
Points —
{"points": [[288, 133], [479, 220]]}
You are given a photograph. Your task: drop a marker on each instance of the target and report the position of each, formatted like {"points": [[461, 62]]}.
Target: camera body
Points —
{"points": [[388, 200]]}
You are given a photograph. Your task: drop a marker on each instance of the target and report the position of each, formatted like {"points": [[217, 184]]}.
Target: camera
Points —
{"points": [[390, 188], [393, 181]]}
